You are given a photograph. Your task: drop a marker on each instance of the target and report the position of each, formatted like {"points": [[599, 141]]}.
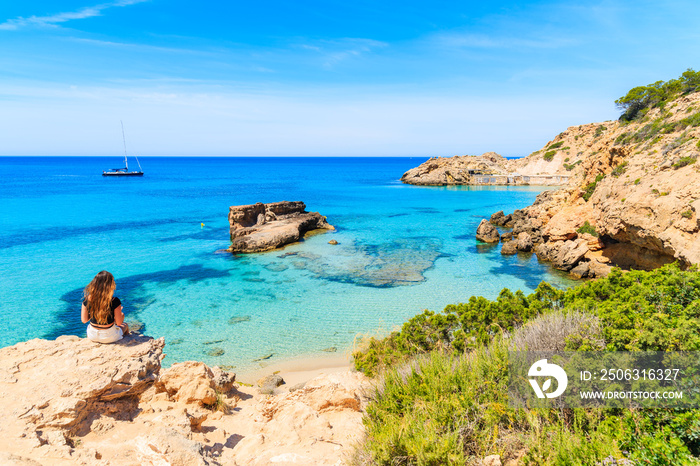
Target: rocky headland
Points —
{"points": [[632, 200], [263, 227], [73, 401], [491, 168]]}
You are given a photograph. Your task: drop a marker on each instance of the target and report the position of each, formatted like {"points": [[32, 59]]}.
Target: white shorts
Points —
{"points": [[105, 335]]}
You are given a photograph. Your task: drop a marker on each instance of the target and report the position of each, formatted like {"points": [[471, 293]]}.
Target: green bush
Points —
{"points": [[438, 405], [589, 189], [687, 214], [599, 130], [637, 181], [619, 170], [587, 228], [684, 161], [571, 166], [658, 310], [549, 155], [640, 99], [556, 145]]}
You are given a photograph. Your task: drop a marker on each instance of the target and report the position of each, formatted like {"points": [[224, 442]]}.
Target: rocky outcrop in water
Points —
{"points": [[263, 227], [492, 169], [72, 401], [487, 233], [634, 197]]}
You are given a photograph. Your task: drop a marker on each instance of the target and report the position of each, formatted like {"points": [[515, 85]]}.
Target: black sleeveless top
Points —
{"points": [[110, 318]]}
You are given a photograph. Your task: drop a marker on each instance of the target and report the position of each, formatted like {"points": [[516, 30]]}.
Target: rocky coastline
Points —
{"points": [[490, 168], [264, 227], [115, 405], [632, 202]]}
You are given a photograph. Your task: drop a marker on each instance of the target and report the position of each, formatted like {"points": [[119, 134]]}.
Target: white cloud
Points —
{"points": [[55, 19], [336, 51]]}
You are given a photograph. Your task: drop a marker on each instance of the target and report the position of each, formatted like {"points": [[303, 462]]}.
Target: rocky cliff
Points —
{"points": [[72, 401], [262, 227], [633, 198], [550, 167]]}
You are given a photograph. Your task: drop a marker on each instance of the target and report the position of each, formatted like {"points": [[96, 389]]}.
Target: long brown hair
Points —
{"points": [[99, 296]]}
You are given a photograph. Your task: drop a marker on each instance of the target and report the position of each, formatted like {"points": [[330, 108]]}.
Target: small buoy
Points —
{"points": [[202, 225]]}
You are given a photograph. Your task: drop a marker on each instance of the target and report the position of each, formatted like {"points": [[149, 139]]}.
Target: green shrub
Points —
{"points": [[587, 228], [566, 159], [619, 170], [687, 214], [684, 161], [599, 130], [589, 189], [639, 310], [640, 99], [447, 407], [571, 166], [549, 155], [637, 181], [556, 145]]}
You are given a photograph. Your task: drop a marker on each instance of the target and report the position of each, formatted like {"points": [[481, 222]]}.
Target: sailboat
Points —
{"points": [[124, 171]]}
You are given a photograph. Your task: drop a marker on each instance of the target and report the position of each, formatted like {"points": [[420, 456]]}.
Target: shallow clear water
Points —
{"points": [[402, 249]]}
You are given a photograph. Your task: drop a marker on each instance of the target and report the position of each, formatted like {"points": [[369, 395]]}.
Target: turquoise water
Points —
{"points": [[401, 249]]}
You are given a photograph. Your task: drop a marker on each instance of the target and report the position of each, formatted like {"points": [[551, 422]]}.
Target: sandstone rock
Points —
{"points": [[499, 219], [487, 233], [581, 270], [333, 242], [442, 171], [507, 236], [492, 460], [597, 269], [8, 459], [85, 378], [310, 425], [262, 227], [490, 168], [223, 380], [123, 417], [570, 254], [509, 248], [169, 447], [642, 203], [268, 384], [189, 382], [594, 243], [524, 242]]}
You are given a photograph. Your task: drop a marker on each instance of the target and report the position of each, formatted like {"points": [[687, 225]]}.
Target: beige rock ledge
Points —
{"points": [[72, 401], [263, 227]]}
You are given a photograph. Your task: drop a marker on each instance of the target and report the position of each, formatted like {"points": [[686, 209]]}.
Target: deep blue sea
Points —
{"points": [[401, 249]]}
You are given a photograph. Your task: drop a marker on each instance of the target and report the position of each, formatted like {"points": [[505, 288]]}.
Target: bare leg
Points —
{"points": [[125, 328]]}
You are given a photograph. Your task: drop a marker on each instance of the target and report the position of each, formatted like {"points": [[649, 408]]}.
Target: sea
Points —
{"points": [[401, 249]]}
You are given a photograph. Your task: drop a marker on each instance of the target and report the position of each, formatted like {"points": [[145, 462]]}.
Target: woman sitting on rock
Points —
{"points": [[103, 310]]}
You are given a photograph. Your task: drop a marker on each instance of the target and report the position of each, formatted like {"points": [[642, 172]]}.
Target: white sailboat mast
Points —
{"points": [[126, 163]]}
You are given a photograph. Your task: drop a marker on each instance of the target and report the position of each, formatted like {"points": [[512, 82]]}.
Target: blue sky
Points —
{"points": [[325, 77]]}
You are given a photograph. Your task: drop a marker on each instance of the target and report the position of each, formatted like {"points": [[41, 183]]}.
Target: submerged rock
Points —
{"points": [[263, 227], [397, 263]]}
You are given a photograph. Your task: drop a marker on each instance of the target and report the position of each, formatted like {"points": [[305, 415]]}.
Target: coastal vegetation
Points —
{"points": [[639, 100], [443, 397], [589, 189]]}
